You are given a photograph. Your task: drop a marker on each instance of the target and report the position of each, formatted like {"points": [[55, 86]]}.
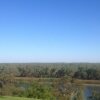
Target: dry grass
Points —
{"points": [[87, 81]]}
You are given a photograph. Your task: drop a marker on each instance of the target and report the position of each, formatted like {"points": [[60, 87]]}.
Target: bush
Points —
{"points": [[40, 91]]}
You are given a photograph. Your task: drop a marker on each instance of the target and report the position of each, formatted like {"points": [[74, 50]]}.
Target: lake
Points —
{"points": [[89, 89]]}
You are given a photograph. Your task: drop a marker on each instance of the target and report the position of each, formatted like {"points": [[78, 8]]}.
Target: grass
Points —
{"points": [[15, 98], [77, 81]]}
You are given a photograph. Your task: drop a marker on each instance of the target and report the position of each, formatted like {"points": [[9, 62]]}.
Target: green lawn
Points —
{"points": [[16, 98]]}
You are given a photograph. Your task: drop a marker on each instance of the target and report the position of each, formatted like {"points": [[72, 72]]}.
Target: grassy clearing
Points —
{"points": [[15, 98]]}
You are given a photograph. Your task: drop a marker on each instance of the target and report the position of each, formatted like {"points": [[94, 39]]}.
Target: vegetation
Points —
{"points": [[56, 70], [87, 73], [47, 81], [15, 98]]}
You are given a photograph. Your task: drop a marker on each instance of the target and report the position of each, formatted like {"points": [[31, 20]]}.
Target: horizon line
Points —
{"points": [[43, 62]]}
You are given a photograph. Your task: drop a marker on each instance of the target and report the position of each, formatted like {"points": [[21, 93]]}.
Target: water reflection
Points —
{"points": [[92, 92]]}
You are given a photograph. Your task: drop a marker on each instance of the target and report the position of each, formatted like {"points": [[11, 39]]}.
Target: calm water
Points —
{"points": [[89, 89]]}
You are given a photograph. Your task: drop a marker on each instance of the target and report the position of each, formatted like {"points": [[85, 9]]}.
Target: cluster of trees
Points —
{"points": [[87, 73], [80, 71], [44, 72]]}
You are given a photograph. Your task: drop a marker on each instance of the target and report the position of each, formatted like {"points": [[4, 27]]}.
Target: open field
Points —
{"points": [[16, 98]]}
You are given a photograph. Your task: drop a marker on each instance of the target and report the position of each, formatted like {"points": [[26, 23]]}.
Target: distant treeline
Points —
{"points": [[90, 71]]}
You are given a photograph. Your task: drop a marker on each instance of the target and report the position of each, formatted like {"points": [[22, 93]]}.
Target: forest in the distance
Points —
{"points": [[89, 71]]}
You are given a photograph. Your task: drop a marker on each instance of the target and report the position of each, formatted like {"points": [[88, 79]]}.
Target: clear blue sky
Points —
{"points": [[49, 30]]}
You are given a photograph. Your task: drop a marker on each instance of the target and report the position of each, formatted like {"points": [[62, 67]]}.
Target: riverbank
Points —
{"points": [[78, 81], [90, 82]]}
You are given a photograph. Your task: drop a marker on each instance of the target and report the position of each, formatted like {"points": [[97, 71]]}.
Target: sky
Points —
{"points": [[49, 31]]}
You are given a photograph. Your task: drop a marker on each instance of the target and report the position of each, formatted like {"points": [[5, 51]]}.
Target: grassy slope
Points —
{"points": [[16, 98]]}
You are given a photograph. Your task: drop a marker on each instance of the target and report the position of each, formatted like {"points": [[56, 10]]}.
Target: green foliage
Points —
{"points": [[40, 91], [51, 70], [65, 89], [57, 80], [87, 73], [16, 98]]}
